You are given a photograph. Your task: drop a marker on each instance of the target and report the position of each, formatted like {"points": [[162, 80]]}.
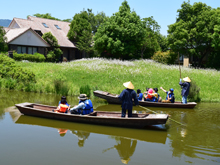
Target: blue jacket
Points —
{"points": [[140, 96], [88, 108], [185, 88], [126, 97], [170, 95]]}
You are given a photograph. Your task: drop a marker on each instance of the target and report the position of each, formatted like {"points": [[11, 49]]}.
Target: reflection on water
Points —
{"points": [[196, 143], [125, 148], [82, 136]]}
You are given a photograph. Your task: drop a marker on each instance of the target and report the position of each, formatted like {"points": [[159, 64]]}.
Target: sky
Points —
{"points": [[163, 11]]}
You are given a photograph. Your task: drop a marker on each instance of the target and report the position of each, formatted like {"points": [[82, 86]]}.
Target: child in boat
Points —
{"points": [[145, 93], [139, 94], [170, 95], [150, 95], [63, 107], [156, 95]]}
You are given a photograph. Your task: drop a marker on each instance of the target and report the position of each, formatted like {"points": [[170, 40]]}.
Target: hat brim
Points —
{"points": [[82, 98], [186, 79], [129, 85]]}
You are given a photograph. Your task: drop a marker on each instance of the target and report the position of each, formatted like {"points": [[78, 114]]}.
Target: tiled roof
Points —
{"points": [[6, 29], [37, 24]]}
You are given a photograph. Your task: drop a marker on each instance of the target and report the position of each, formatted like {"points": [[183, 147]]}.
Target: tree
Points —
{"points": [[150, 44], [120, 36], [3, 44], [96, 20], [48, 16], [81, 31], [55, 51], [196, 31]]}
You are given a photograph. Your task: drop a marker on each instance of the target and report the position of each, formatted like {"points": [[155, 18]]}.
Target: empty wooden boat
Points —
{"points": [[97, 117]]}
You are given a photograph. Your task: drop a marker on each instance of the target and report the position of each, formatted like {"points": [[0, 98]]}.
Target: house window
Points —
{"points": [[57, 27], [34, 50], [19, 50], [45, 25], [30, 50], [24, 49]]}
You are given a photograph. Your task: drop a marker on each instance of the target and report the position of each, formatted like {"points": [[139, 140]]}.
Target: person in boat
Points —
{"points": [[185, 89], [84, 107], [139, 94], [170, 98], [150, 95], [156, 95], [63, 107], [126, 97], [145, 93], [63, 99]]}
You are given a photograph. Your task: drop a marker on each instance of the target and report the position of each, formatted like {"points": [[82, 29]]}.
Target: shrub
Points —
{"points": [[10, 83], [50, 56], [167, 57], [8, 69], [194, 92], [85, 90], [60, 86], [36, 57]]}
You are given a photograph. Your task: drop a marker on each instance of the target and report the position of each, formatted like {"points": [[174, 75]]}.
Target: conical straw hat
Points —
{"points": [[186, 79], [129, 85]]}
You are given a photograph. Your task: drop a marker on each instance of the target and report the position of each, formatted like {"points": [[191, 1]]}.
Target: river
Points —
{"points": [[26, 140]]}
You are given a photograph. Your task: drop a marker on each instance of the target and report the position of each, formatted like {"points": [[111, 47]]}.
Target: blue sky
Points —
{"points": [[163, 11]]}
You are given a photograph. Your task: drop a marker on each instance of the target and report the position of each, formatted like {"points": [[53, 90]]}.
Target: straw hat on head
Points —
{"points": [[129, 85], [186, 79]]}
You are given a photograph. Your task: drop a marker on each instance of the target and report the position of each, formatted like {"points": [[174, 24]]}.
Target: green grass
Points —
{"points": [[109, 75]]}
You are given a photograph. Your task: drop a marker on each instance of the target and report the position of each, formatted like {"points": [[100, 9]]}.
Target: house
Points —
{"points": [[25, 36]]}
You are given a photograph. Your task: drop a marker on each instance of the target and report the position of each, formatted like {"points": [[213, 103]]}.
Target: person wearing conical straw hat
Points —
{"points": [[126, 97], [185, 89]]}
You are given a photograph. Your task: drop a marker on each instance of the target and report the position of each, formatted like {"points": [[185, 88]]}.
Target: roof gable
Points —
{"points": [[25, 36]]}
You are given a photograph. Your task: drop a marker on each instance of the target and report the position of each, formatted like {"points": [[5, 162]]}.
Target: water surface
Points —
{"points": [[31, 140]]}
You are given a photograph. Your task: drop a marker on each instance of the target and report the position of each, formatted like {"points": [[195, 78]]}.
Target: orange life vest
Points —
{"points": [[63, 108], [149, 96]]}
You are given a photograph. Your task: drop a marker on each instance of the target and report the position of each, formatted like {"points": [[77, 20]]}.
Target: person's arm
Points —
{"points": [[121, 96], [163, 89], [135, 99], [80, 106]]}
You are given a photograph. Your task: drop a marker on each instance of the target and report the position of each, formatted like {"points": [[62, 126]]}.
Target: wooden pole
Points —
{"points": [[157, 113], [179, 64]]}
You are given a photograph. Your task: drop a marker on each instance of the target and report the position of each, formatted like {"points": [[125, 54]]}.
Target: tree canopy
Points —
{"points": [[3, 44], [81, 31], [122, 35], [52, 41], [196, 31], [48, 16]]}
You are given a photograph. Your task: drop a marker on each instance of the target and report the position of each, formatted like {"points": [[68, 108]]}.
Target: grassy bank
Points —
{"points": [[109, 75]]}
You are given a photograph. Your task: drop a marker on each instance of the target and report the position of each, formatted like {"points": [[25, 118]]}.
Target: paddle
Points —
{"points": [[179, 64], [158, 113]]}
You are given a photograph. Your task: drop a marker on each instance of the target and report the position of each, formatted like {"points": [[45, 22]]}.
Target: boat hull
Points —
{"points": [[113, 99], [97, 117]]}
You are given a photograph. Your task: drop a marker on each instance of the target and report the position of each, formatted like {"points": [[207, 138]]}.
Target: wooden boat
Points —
{"points": [[153, 134], [97, 117], [113, 99]]}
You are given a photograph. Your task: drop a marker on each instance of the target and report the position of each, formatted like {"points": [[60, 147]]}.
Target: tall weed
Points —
{"points": [[85, 90], [194, 92]]}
